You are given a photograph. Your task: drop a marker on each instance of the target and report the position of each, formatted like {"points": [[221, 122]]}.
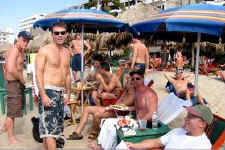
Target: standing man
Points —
{"points": [[75, 45], [15, 83], [140, 55], [53, 75], [179, 60]]}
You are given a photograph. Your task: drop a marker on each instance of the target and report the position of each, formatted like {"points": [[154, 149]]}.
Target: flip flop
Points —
{"points": [[77, 120], [75, 136]]}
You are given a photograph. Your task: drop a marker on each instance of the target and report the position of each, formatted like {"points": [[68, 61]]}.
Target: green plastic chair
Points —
{"points": [[3, 93]]}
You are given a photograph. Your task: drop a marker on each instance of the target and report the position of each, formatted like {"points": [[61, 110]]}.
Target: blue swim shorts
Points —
{"points": [[76, 62], [139, 66]]}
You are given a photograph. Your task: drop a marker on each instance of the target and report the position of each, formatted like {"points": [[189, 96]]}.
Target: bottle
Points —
{"points": [[154, 120]]}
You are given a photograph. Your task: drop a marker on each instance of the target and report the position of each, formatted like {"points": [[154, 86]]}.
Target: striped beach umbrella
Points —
{"points": [[201, 19], [92, 20]]}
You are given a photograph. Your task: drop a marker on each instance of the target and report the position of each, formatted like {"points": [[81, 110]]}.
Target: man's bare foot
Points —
{"points": [[14, 141], [2, 129], [94, 146]]}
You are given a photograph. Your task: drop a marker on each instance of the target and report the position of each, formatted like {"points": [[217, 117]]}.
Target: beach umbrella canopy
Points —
{"points": [[92, 20], [202, 19]]}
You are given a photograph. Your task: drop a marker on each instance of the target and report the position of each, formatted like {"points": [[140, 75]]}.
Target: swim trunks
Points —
{"points": [[76, 62], [52, 118], [15, 98]]}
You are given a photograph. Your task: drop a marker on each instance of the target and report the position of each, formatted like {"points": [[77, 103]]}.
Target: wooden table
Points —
{"points": [[76, 102]]}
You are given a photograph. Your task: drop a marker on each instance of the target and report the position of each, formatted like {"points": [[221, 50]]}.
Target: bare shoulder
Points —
{"points": [[66, 51], [151, 93], [45, 49], [12, 50]]}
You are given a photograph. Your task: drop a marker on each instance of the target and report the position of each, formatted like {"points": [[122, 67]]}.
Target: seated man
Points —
{"points": [[97, 59], [96, 110], [179, 83], [109, 88], [146, 103], [191, 136]]}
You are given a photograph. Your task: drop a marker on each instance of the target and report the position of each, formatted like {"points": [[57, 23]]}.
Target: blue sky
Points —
{"points": [[12, 11]]}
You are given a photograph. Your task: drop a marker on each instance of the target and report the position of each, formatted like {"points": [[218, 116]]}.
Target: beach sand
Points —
{"points": [[210, 88]]}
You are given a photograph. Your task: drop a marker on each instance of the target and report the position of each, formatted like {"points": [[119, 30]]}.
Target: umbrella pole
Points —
{"points": [[197, 64], [82, 67]]}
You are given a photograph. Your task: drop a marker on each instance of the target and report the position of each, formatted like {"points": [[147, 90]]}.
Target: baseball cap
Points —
{"points": [[139, 71], [201, 111], [25, 35]]}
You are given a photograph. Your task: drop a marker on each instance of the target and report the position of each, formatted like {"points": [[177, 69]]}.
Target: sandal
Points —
{"points": [[75, 136], [93, 136]]}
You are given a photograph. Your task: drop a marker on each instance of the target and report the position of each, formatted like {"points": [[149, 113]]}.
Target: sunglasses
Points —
{"points": [[137, 79], [59, 33]]}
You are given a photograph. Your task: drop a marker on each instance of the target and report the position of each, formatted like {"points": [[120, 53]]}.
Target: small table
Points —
{"points": [[73, 104], [141, 135]]}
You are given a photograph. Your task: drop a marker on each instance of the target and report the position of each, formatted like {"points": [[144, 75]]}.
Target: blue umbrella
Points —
{"points": [[84, 20], [198, 18], [92, 20]]}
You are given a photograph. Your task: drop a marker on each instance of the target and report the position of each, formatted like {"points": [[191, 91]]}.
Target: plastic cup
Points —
{"points": [[142, 124]]}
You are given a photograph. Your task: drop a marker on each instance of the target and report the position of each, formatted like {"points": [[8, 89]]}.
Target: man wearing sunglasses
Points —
{"points": [[145, 103], [53, 76], [76, 45], [191, 136], [15, 83], [146, 98]]}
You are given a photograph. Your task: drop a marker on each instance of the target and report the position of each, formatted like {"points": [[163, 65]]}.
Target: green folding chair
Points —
{"points": [[3, 94], [216, 132]]}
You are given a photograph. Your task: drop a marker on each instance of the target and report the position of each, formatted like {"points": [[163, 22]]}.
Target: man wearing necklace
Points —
{"points": [[15, 84]]}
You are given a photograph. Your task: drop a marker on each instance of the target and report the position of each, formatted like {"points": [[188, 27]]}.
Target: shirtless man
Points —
{"points": [[146, 98], [97, 59], [110, 86], [76, 45], [140, 55], [53, 75], [179, 60], [179, 83], [15, 84], [99, 112], [146, 102]]}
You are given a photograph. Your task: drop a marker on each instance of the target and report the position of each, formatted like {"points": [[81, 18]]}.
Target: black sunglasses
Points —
{"points": [[59, 33], [135, 79]]}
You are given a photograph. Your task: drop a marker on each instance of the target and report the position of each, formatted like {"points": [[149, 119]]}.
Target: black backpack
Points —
{"points": [[60, 141]]}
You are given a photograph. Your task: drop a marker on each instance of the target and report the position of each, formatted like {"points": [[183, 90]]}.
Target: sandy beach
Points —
{"points": [[210, 88]]}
